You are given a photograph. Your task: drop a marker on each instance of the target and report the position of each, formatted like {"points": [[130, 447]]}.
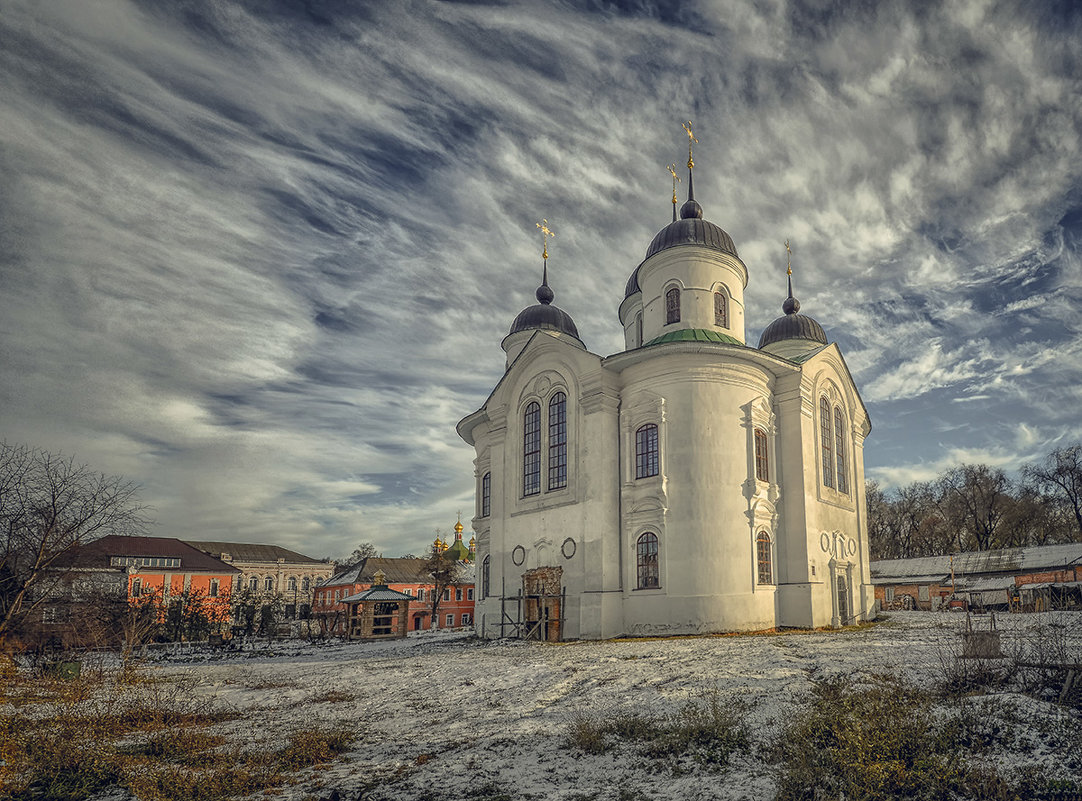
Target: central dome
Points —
{"points": [[690, 229]]}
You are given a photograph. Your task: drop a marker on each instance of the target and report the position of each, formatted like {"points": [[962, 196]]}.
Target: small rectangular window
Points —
{"points": [[762, 467], [450, 620], [469, 594], [922, 593], [458, 594], [447, 595], [646, 451]]}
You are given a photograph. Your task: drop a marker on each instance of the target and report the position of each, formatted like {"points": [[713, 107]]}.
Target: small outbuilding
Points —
{"points": [[378, 613]]}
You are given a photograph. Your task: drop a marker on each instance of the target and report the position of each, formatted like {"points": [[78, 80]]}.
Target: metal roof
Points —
{"points": [[694, 335], [792, 326], [989, 583], [252, 552], [98, 553], [1012, 560], [380, 593]]}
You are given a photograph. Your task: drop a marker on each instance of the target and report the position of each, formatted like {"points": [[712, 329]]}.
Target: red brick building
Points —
{"points": [[151, 570], [409, 576]]}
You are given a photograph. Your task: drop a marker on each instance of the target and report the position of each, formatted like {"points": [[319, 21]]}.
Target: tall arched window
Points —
{"points": [[558, 441], [291, 584], [762, 466], [485, 576], [672, 305], [762, 553], [646, 557], [721, 310], [486, 494], [839, 450], [638, 330], [253, 583], [136, 587], [826, 442], [268, 584], [646, 451], [306, 584], [531, 450]]}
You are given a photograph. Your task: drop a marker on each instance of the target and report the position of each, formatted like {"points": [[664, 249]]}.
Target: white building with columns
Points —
{"points": [[689, 483]]}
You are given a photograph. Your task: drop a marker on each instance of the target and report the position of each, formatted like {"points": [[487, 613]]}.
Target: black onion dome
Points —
{"points": [[547, 318], [793, 326], [544, 315], [692, 229]]}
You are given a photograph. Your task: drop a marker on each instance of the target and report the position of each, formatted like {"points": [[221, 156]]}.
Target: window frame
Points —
{"points": [[486, 494], [486, 575], [762, 455], [647, 451], [557, 441], [764, 559], [672, 305], [647, 561], [268, 584], [721, 309], [826, 442], [840, 465], [531, 449]]}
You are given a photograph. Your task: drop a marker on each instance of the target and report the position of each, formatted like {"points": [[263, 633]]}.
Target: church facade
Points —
{"points": [[690, 483]]}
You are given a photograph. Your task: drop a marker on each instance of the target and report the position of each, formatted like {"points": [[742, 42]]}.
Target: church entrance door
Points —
{"points": [[542, 594]]}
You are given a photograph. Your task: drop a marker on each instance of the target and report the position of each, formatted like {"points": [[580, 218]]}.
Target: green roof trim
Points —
{"points": [[694, 335]]}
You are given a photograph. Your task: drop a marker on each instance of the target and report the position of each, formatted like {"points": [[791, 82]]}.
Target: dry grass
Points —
{"points": [[70, 740]]}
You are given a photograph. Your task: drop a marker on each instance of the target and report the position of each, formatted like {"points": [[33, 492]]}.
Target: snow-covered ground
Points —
{"points": [[444, 716]]}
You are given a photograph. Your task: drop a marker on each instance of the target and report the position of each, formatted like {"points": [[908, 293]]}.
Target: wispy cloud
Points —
{"points": [[260, 259]]}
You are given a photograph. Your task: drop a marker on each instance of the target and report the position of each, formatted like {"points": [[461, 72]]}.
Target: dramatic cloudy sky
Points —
{"points": [[259, 257]]}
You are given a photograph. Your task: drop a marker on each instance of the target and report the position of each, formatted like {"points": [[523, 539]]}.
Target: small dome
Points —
{"points": [[792, 326], [545, 317]]}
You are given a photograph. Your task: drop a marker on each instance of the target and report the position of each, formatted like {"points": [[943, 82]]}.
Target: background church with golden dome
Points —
{"points": [[689, 483]]}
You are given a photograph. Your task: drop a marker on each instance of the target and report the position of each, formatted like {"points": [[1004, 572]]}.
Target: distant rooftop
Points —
{"points": [[1006, 560], [251, 552]]}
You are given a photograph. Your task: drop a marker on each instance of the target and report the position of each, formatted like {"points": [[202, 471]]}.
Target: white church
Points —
{"points": [[690, 483]]}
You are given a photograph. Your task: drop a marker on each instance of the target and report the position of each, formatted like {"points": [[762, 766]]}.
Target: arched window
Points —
{"points": [[839, 450], [253, 583], [826, 442], [558, 441], [306, 584], [268, 584], [762, 466], [291, 585], [638, 330], [531, 450], [136, 587], [485, 574], [762, 553], [721, 310], [646, 555], [486, 494], [672, 305], [646, 451]]}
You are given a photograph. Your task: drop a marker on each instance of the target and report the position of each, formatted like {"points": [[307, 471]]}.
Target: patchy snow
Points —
{"points": [[441, 715]]}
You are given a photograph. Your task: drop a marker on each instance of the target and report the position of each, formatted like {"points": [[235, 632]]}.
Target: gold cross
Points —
{"points": [[675, 178], [788, 259], [691, 138], [546, 232]]}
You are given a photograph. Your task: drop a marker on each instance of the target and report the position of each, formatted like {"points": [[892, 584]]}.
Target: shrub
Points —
{"points": [[880, 742]]}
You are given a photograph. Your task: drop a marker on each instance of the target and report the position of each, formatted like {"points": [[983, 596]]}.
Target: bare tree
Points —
{"points": [[360, 553], [48, 506], [1060, 476], [974, 500], [445, 572]]}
